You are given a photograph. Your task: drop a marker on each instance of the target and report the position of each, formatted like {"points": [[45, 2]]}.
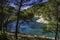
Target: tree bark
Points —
{"points": [[1, 16], [17, 22], [56, 32]]}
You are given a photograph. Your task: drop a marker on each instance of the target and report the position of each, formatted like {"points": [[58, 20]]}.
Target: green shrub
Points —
{"points": [[3, 36]]}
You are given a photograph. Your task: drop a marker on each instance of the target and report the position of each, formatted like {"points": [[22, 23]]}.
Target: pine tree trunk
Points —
{"points": [[2, 16], [56, 33], [17, 22]]}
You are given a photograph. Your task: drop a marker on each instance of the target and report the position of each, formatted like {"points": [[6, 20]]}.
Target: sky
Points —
{"points": [[29, 2]]}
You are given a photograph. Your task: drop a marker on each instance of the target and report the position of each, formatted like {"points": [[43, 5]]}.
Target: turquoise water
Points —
{"points": [[30, 27]]}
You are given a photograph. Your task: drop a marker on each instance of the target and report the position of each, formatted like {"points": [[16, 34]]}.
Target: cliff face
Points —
{"points": [[41, 19]]}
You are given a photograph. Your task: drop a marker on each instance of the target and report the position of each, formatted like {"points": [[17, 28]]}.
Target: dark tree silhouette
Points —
{"points": [[19, 5]]}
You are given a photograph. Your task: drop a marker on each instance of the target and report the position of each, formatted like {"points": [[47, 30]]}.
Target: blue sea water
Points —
{"points": [[32, 28]]}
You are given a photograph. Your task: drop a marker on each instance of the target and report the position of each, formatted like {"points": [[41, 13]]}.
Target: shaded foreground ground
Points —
{"points": [[27, 37]]}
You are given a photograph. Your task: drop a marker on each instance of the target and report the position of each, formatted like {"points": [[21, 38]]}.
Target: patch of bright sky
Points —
{"points": [[30, 2], [45, 0], [22, 8]]}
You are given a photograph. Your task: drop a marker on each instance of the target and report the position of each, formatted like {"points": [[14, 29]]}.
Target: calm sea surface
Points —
{"points": [[30, 27]]}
